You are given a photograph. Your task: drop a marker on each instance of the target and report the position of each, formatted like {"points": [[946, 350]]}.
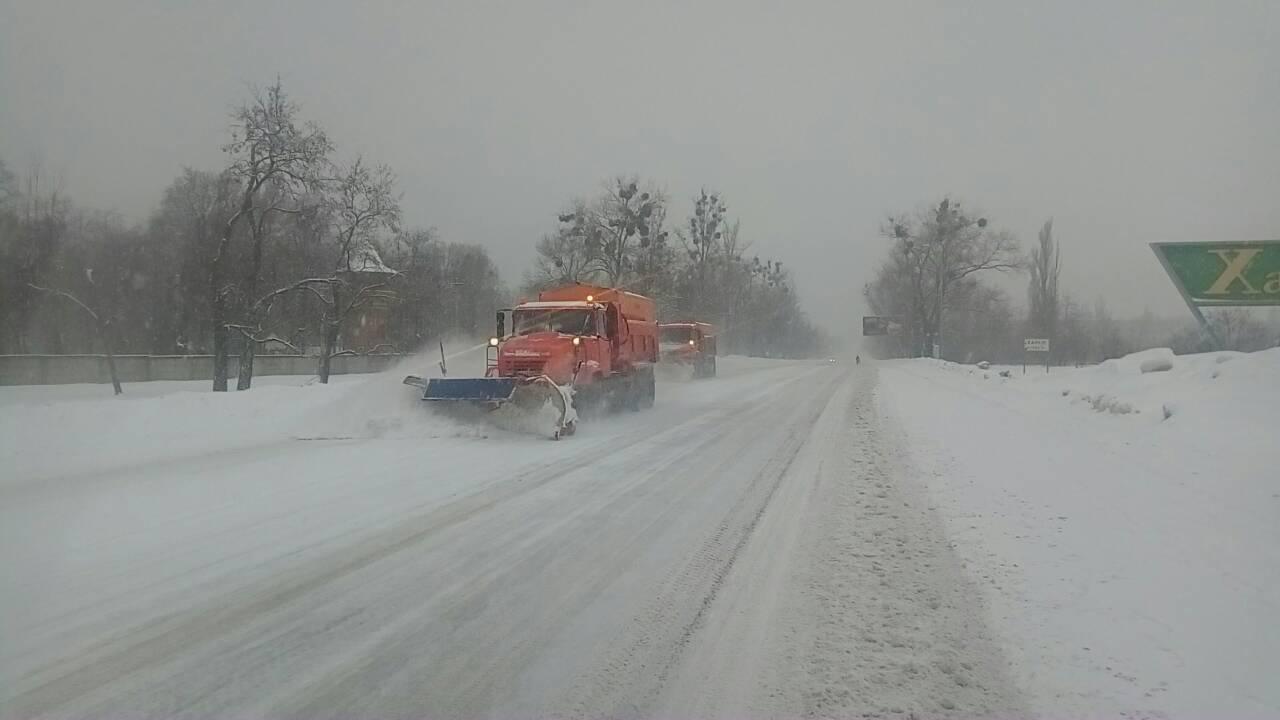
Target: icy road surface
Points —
{"points": [[750, 547]]}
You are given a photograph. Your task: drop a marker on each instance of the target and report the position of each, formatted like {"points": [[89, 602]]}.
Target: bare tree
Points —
{"points": [[182, 236], [1045, 264], [8, 185], [980, 323], [33, 230], [937, 249], [703, 243], [622, 223], [102, 320], [275, 157], [1241, 328], [363, 201], [562, 258], [654, 266], [442, 288]]}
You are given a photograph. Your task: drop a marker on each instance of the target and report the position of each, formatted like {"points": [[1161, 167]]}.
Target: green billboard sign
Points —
{"points": [[1222, 274]]}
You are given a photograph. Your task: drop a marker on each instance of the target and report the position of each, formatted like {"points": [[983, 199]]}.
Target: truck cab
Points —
{"points": [[689, 343], [559, 339]]}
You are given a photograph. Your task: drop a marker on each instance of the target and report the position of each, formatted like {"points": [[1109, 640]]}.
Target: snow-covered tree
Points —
{"points": [[275, 159]]}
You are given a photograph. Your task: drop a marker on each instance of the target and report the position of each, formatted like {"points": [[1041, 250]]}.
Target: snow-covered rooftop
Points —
{"points": [[364, 258]]}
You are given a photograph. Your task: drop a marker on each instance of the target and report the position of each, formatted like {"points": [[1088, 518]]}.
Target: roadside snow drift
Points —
{"points": [[72, 430], [1122, 520]]}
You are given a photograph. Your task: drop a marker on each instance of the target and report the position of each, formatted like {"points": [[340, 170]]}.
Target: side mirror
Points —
{"points": [[502, 325]]}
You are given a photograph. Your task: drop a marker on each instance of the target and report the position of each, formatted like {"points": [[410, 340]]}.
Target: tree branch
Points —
{"points": [[248, 333], [299, 285], [69, 296], [361, 297]]}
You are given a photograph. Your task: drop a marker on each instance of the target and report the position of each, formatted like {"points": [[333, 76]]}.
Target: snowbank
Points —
{"points": [[70, 430], [1214, 400], [75, 392], [1122, 524]]}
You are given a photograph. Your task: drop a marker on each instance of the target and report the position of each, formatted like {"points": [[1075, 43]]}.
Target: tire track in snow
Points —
{"points": [[628, 681]]}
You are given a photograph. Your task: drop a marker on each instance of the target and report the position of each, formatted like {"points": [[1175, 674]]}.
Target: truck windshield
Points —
{"points": [[675, 334], [568, 322]]}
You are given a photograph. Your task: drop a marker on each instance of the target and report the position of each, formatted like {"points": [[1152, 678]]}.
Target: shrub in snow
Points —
{"points": [[984, 365], [1107, 403], [1168, 410]]}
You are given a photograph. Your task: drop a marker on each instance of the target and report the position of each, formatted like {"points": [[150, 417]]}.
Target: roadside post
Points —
{"points": [[1222, 274], [1030, 345]]}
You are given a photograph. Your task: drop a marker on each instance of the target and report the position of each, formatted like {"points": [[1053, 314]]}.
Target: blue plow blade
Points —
{"points": [[476, 389]]}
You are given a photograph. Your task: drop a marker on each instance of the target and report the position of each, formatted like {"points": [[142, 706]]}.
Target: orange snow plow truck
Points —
{"points": [[576, 348], [689, 343]]}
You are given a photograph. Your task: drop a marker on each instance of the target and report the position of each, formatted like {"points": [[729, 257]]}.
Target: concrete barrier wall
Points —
{"points": [[65, 369]]}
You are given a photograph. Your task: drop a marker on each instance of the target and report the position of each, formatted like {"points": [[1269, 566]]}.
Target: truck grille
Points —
{"points": [[527, 366]]}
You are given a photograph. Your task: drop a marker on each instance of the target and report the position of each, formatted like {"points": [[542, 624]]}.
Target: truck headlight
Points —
{"points": [[691, 342], [493, 342], [577, 340]]}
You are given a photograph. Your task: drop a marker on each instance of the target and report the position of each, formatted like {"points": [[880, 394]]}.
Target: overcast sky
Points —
{"points": [[1127, 122]]}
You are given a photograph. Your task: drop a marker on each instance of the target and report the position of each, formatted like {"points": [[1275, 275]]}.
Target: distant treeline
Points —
{"points": [[287, 243], [932, 284]]}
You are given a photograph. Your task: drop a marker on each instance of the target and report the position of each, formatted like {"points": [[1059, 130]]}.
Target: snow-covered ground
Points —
{"points": [[1123, 527], [76, 392], [789, 539], [340, 552]]}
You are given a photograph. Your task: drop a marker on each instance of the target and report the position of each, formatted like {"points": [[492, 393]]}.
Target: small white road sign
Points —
{"points": [[1035, 344]]}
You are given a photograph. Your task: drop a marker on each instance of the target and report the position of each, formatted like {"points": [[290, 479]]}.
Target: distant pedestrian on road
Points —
{"points": [[857, 359]]}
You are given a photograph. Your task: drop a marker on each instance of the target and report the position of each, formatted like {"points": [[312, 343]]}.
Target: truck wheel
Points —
{"points": [[587, 400], [648, 390], [711, 367], [634, 391]]}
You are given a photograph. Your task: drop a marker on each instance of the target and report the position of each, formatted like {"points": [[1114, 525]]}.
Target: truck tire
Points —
{"points": [[615, 394], [648, 389], [587, 400], [711, 367], [634, 392]]}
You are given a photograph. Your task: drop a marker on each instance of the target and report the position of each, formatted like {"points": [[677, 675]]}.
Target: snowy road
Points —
{"points": [[748, 547]]}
